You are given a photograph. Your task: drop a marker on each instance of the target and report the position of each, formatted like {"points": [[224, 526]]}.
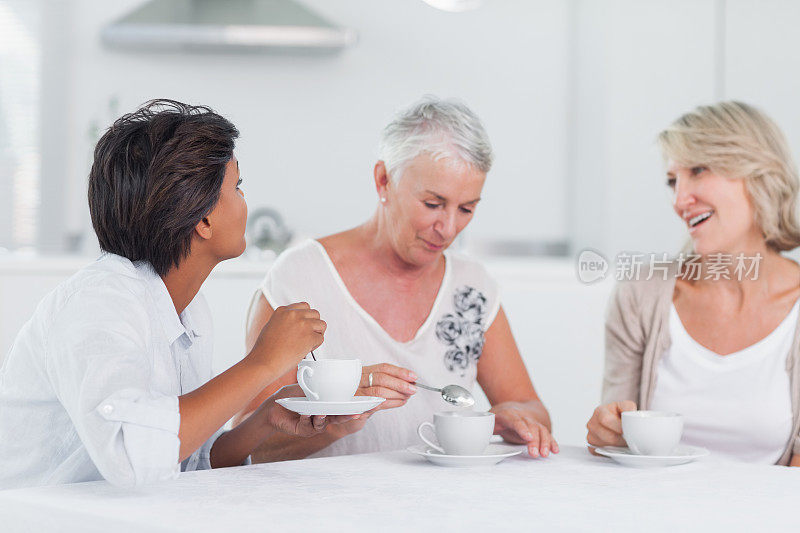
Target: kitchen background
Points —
{"points": [[572, 92]]}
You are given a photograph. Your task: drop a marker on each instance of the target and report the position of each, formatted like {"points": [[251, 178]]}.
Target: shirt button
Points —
{"points": [[108, 409]]}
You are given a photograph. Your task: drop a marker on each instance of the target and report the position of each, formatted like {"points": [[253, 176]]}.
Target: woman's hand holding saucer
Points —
{"points": [[517, 425], [383, 380], [285, 421]]}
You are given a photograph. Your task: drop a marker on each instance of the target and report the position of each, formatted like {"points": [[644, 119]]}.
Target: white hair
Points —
{"points": [[439, 127]]}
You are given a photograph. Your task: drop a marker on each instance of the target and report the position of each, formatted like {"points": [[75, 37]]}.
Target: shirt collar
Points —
{"points": [[174, 325], [188, 321]]}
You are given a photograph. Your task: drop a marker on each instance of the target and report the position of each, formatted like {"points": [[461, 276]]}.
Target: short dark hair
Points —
{"points": [[156, 173]]}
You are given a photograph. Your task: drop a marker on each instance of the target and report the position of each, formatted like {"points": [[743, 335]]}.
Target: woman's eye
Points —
{"points": [[671, 183], [430, 205], [238, 183], [698, 170], [465, 210]]}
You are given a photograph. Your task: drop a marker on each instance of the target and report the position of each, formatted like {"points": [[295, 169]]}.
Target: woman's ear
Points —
{"points": [[381, 180], [203, 228]]}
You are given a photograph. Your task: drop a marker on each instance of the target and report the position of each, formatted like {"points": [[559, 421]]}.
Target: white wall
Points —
{"points": [[637, 67], [573, 94], [310, 123], [762, 60]]}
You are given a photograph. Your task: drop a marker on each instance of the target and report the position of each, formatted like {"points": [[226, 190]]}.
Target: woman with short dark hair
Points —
{"points": [[111, 376]]}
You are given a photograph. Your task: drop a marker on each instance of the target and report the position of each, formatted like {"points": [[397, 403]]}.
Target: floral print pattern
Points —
{"points": [[463, 331]]}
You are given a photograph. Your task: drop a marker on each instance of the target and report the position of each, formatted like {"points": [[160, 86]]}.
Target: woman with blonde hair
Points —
{"points": [[717, 340]]}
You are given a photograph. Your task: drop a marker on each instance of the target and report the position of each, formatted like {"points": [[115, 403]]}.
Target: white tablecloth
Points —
{"points": [[398, 491]]}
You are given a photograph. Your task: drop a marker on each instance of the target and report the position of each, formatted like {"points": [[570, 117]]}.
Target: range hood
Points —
{"points": [[225, 26]]}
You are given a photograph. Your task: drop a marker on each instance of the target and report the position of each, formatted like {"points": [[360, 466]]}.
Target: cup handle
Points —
{"points": [[426, 441], [302, 382]]}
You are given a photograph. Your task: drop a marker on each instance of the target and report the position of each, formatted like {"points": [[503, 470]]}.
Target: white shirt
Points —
{"points": [[737, 405], [445, 349], [90, 387]]}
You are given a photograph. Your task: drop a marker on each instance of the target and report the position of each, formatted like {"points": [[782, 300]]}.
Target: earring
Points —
{"points": [[383, 199]]}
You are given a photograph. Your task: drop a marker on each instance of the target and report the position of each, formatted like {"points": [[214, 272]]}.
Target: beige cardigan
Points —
{"points": [[637, 333]]}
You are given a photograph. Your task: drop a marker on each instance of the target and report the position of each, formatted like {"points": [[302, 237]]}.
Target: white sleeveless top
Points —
{"points": [[736, 405], [445, 349]]}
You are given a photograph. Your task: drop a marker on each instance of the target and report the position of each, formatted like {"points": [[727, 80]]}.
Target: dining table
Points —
{"points": [[400, 491]]}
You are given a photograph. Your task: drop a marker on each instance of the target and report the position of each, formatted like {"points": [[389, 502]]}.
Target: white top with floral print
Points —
{"points": [[445, 349]]}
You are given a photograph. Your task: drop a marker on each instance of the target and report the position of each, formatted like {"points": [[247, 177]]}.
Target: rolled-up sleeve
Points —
{"points": [[106, 376], [203, 460]]}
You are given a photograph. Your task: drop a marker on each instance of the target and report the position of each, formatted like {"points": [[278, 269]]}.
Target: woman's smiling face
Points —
{"points": [[716, 210], [429, 205]]}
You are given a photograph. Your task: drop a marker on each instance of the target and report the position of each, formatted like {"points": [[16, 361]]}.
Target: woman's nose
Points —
{"points": [[682, 195], [447, 225]]}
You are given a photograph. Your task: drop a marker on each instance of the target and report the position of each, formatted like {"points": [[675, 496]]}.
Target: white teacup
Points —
{"points": [[460, 432], [652, 432], [329, 380]]}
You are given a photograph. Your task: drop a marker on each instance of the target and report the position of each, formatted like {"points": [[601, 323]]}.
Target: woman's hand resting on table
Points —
{"points": [[605, 426], [516, 424], [394, 383]]}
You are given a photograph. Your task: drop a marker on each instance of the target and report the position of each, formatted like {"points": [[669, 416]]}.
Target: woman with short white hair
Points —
{"points": [[718, 341], [395, 297]]}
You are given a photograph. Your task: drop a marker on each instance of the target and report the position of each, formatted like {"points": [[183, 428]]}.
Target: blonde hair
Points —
{"points": [[739, 141]]}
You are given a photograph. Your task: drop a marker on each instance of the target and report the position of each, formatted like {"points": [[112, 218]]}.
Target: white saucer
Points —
{"points": [[493, 454], [354, 406], [683, 454]]}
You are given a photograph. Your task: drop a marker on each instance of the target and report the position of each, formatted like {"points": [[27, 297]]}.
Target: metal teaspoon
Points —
{"points": [[453, 394]]}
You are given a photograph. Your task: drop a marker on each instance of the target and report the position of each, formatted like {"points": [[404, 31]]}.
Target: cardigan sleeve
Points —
{"points": [[624, 346]]}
